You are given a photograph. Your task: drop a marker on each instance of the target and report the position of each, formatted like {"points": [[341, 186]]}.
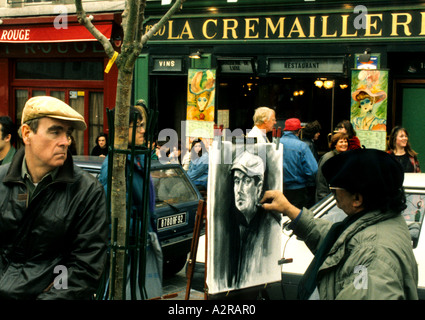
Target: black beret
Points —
{"points": [[365, 171]]}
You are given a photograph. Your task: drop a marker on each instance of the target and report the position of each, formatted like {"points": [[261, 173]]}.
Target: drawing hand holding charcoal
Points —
{"points": [[275, 201]]}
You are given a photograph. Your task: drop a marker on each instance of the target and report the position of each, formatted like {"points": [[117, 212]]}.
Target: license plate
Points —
{"points": [[171, 221]]}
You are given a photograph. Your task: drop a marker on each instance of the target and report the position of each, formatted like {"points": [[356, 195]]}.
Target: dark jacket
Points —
{"points": [[61, 234], [97, 151]]}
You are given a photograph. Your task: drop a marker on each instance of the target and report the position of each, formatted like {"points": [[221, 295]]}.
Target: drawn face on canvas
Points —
{"points": [[247, 193]]}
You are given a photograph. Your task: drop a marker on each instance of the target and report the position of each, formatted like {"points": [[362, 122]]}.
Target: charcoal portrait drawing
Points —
{"points": [[244, 244]]}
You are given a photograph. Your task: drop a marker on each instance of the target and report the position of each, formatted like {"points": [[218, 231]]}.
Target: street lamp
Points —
{"points": [[196, 55]]}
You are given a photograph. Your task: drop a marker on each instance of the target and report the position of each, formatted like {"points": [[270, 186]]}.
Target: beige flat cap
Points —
{"points": [[45, 106]]}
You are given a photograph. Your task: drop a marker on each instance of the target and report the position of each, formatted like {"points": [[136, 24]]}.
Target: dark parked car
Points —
{"points": [[177, 200]]}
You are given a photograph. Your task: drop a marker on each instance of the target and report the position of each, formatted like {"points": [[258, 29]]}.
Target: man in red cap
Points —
{"points": [[299, 164]]}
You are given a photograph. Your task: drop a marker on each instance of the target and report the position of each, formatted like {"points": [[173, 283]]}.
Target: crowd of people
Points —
{"points": [[41, 187], [367, 186]]}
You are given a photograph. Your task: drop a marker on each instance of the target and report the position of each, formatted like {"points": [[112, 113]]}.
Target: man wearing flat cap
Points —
{"points": [[369, 254], [249, 239], [53, 221]]}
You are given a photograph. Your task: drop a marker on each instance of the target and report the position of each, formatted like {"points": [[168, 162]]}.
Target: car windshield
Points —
{"points": [[413, 214], [172, 187]]}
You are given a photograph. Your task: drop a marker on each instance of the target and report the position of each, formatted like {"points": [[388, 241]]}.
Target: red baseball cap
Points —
{"points": [[292, 124]]}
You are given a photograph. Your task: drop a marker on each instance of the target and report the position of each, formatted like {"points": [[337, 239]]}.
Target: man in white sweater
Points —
{"points": [[264, 121]]}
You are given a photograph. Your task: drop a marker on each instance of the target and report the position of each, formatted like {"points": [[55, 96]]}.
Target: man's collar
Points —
{"points": [[25, 173], [64, 173]]}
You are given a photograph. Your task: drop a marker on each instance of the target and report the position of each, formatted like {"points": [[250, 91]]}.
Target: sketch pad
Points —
{"points": [[244, 246]]}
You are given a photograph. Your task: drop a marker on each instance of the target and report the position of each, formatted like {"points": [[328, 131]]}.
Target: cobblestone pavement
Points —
{"points": [[175, 287]]}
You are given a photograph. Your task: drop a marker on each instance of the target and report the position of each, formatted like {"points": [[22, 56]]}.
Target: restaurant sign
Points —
{"points": [[306, 65], [347, 26]]}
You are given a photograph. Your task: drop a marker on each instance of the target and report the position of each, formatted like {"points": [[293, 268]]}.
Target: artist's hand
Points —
{"points": [[275, 201]]}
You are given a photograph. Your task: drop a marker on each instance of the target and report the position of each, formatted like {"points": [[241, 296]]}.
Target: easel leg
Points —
{"points": [[200, 215]]}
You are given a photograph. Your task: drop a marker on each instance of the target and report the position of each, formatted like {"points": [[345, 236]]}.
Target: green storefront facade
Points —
{"points": [[273, 53]]}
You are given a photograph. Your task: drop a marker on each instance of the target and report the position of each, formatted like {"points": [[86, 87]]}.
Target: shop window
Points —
{"points": [[28, 1], [21, 96], [96, 117], [77, 103], [37, 93], [91, 108], [60, 70], [58, 94], [19, 3]]}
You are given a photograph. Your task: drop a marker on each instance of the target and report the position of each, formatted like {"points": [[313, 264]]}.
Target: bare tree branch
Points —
{"points": [[85, 21], [141, 20], [176, 6]]}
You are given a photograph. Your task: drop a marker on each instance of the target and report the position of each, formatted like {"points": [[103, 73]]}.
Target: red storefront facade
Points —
{"points": [[43, 56]]}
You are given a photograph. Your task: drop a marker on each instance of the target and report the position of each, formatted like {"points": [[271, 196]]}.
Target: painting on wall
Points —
{"points": [[244, 242], [201, 95], [369, 91]]}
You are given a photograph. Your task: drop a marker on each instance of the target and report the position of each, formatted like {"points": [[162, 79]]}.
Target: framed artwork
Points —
{"points": [[244, 242], [373, 63], [201, 95], [369, 91]]}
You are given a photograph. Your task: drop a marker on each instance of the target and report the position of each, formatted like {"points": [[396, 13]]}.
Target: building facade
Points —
{"points": [[302, 58], [44, 51]]}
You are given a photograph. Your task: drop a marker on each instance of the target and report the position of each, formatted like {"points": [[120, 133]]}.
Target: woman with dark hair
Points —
{"points": [[346, 127], [310, 134], [72, 147], [339, 144], [136, 164], [101, 147], [399, 147], [198, 167]]}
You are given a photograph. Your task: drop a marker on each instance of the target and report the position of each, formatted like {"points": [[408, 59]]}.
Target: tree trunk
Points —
{"points": [[133, 17], [118, 186]]}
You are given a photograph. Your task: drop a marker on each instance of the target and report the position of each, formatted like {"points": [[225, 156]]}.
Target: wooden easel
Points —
{"points": [[200, 219]]}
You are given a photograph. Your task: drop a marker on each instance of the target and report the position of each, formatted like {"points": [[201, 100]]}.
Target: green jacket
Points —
{"points": [[9, 155], [371, 260]]}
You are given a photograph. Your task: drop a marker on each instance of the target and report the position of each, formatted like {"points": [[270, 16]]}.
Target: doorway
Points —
{"points": [[291, 97], [409, 103], [241, 95]]}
